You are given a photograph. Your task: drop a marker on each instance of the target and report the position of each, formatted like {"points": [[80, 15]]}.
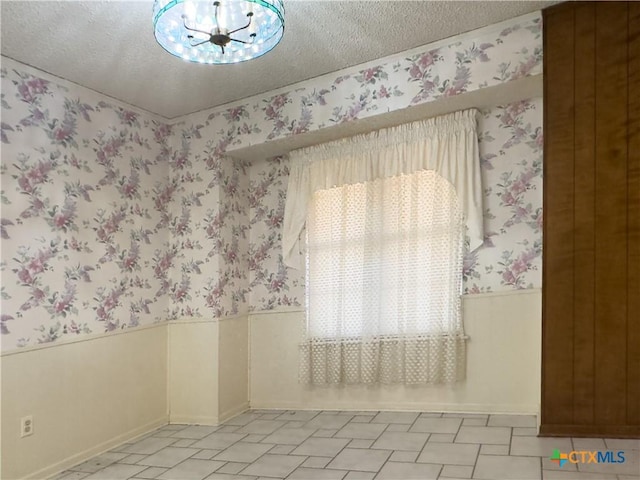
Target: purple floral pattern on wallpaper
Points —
{"points": [[77, 233], [511, 163], [272, 284], [495, 55], [112, 219]]}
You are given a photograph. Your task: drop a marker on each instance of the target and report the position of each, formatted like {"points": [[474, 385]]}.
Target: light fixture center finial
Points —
{"points": [[219, 32]]}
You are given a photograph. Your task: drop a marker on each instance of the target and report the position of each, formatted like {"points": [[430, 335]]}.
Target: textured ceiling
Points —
{"points": [[109, 46]]}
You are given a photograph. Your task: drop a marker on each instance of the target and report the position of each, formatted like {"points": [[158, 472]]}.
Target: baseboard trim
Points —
{"points": [[97, 450], [406, 407], [194, 420], [232, 412], [608, 431]]}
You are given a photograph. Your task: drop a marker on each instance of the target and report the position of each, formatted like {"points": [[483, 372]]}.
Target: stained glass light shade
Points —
{"points": [[218, 32]]}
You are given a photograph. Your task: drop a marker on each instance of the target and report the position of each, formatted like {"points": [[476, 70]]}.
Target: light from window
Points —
{"points": [[384, 260]]}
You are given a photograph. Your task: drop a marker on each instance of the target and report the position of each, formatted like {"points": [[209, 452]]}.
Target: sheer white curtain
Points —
{"points": [[385, 217]]}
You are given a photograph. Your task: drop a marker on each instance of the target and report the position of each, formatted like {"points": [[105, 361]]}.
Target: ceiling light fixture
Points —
{"points": [[218, 32]]}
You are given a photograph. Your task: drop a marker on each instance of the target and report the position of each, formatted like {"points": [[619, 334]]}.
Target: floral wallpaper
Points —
{"points": [[83, 213], [511, 164], [272, 284], [495, 55], [210, 230], [113, 219]]}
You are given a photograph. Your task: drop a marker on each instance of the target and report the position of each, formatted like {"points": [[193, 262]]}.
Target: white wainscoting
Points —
{"points": [[208, 370], [233, 373], [503, 364], [90, 395], [85, 397]]}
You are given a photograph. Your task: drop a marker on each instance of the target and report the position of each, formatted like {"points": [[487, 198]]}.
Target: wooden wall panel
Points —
{"points": [[584, 97], [591, 258], [611, 213], [633, 189], [558, 218]]}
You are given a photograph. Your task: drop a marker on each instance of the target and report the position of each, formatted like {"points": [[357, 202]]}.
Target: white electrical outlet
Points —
{"points": [[26, 426]]}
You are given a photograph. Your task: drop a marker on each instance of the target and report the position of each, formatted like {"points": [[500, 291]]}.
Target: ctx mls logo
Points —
{"points": [[586, 456]]}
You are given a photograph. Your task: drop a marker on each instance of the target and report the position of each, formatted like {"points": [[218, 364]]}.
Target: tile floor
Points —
{"points": [[307, 445]]}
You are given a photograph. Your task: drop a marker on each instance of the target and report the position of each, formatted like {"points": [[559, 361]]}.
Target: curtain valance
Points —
{"points": [[447, 144]]}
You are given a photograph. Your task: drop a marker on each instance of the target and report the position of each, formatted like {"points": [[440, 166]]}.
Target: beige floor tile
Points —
{"points": [[361, 460], [436, 425], [442, 438], [401, 441], [456, 471], [316, 462], [403, 457], [494, 449], [205, 454], [274, 465], [262, 427], [328, 421], [398, 427], [588, 444], [168, 457], [449, 453], [362, 419], [539, 446], [232, 467], [483, 416], [218, 441], [512, 421], [574, 475], [270, 416], [194, 432], [475, 422], [316, 474], [116, 471], [243, 419], [289, 436], [491, 435], [350, 445], [630, 466], [406, 418], [298, 415], [174, 427], [497, 467], [243, 452], [364, 431], [191, 470], [68, 475], [321, 447], [230, 476], [408, 471], [254, 438], [149, 445], [151, 472], [325, 433], [132, 459], [359, 476], [357, 443], [183, 442], [622, 443], [96, 463], [282, 449]]}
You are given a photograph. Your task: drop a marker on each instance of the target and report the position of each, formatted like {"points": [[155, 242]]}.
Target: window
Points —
{"points": [[377, 221], [384, 259]]}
